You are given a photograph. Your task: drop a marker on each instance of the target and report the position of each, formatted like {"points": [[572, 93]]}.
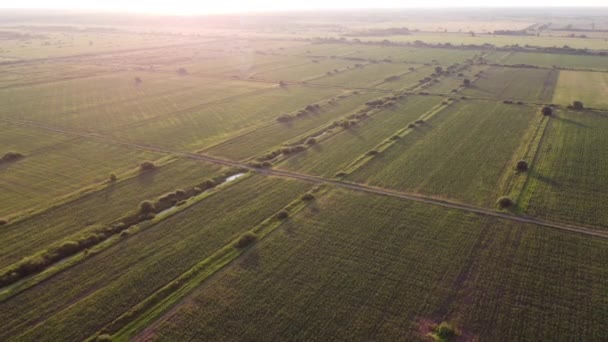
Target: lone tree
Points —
{"points": [[438, 70], [466, 82], [138, 80], [522, 166], [577, 105], [505, 202], [547, 110], [146, 166], [113, 177]]}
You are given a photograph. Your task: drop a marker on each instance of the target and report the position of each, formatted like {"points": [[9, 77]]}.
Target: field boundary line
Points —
{"points": [[352, 186]]}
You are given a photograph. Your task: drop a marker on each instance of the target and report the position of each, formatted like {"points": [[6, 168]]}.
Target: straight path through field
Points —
{"points": [[321, 180]]}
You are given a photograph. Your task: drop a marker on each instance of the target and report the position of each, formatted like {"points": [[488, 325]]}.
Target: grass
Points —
{"points": [[203, 127], [566, 184], [109, 102], [588, 87], [534, 85], [461, 153], [53, 171], [266, 137], [96, 209], [331, 155], [117, 278], [357, 266], [370, 75], [551, 59]]}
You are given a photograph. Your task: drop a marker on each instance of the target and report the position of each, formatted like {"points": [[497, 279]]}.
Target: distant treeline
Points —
{"points": [[392, 31], [486, 46]]}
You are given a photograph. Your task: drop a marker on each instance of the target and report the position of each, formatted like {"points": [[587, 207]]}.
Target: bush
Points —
{"points": [[11, 156], [308, 197], [197, 190], [146, 207], [266, 164], [411, 125], [208, 183], [419, 121], [112, 177], [522, 166], [3, 221], [246, 240], [311, 141], [147, 166], [182, 71], [67, 248], [577, 105], [444, 332], [505, 202], [373, 152], [283, 214], [341, 174], [466, 82], [547, 110]]}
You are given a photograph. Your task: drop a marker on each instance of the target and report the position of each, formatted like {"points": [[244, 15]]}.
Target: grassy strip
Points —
{"points": [[143, 314], [384, 145], [25, 283], [515, 182], [525, 188]]}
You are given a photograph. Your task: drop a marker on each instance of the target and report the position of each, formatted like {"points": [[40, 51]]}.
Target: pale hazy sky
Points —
{"points": [[234, 6]]}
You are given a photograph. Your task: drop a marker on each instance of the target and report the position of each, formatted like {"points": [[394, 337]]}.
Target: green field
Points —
{"points": [[51, 171], [588, 87], [534, 85], [567, 183], [81, 215], [114, 101], [554, 59], [338, 151], [359, 266], [461, 153], [195, 129], [264, 138], [112, 281], [368, 175]]}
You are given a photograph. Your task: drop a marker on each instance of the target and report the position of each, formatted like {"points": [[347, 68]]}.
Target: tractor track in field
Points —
{"points": [[320, 180]]}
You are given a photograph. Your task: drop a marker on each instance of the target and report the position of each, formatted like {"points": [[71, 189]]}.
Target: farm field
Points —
{"points": [[87, 212], [362, 266], [264, 138], [534, 85], [588, 87], [343, 175], [106, 281], [560, 60], [196, 129], [53, 170], [566, 184], [110, 102], [461, 153], [336, 152]]}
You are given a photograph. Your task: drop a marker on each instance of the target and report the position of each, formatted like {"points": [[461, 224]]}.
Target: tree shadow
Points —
{"points": [[571, 122], [544, 179]]}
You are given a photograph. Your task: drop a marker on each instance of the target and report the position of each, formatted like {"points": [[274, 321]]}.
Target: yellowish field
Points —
{"points": [[589, 87]]}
